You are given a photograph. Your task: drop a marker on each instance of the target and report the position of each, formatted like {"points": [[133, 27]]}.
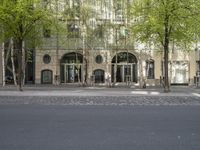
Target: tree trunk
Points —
{"points": [[115, 69], [3, 64], [23, 62], [141, 78], [78, 67], [166, 79], [166, 53], [7, 54], [84, 58], [19, 58], [12, 61]]}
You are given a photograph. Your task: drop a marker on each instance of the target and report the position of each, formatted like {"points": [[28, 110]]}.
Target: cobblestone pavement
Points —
{"points": [[101, 100], [99, 96]]}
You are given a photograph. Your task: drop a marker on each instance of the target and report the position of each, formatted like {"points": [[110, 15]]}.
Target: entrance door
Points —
{"points": [[127, 73], [72, 73], [120, 72], [124, 67], [71, 68], [69, 74]]}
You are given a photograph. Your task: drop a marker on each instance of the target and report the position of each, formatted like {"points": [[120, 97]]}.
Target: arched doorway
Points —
{"points": [[71, 66], [46, 76], [99, 76], [124, 67]]}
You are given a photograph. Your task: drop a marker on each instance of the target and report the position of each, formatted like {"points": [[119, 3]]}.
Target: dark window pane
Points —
{"points": [[99, 59], [46, 76], [150, 69], [46, 59]]}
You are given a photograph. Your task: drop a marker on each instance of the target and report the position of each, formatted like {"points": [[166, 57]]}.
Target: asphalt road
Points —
{"points": [[53, 127]]}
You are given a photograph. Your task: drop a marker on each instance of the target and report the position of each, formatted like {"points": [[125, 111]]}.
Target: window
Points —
{"points": [[73, 30], [99, 76], [46, 59], [46, 33], [198, 65], [71, 68], [99, 59], [124, 67], [150, 69], [100, 31], [47, 77]]}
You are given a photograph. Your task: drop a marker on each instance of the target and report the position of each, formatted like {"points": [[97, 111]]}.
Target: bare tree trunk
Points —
{"points": [[19, 58], [115, 70], [84, 61], [7, 54], [12, 61], [3, 64], [141, 71], [23, 62]]}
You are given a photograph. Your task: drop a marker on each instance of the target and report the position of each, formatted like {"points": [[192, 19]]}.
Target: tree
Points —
{"points": [[164, 22], [20, 20]]}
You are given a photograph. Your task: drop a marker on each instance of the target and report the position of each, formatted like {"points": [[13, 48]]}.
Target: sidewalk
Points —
{"points": [[64, 90]]}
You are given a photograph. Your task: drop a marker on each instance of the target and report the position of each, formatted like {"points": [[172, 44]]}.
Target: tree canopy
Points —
{"points": [[164, 21], [179, 19], [22, 20]]}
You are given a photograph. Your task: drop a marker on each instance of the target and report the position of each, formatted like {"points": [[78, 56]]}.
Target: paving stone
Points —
{"points": [[101, 100]]}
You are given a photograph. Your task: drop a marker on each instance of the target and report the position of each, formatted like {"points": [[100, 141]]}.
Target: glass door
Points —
{"points": [[127, 73], [69, 74], [120, 72]]}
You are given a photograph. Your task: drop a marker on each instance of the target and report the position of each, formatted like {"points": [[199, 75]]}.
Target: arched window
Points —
{"points": [[124, 57], [150, 69], [71, 66], [124, 67], [72, 58], [99, 76], [46, 76]]}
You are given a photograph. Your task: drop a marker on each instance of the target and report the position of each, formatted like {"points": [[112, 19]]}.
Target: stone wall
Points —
{"points": [[106, 64]]}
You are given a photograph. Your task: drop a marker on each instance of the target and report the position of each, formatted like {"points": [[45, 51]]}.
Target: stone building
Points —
{"points": [[121, 66], [100, 51]]}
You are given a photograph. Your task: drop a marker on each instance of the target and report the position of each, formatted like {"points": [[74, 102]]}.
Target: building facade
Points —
{"points": [[98, 49]]}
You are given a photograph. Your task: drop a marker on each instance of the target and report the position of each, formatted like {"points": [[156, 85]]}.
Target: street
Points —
{"points": [[84, 127]]}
